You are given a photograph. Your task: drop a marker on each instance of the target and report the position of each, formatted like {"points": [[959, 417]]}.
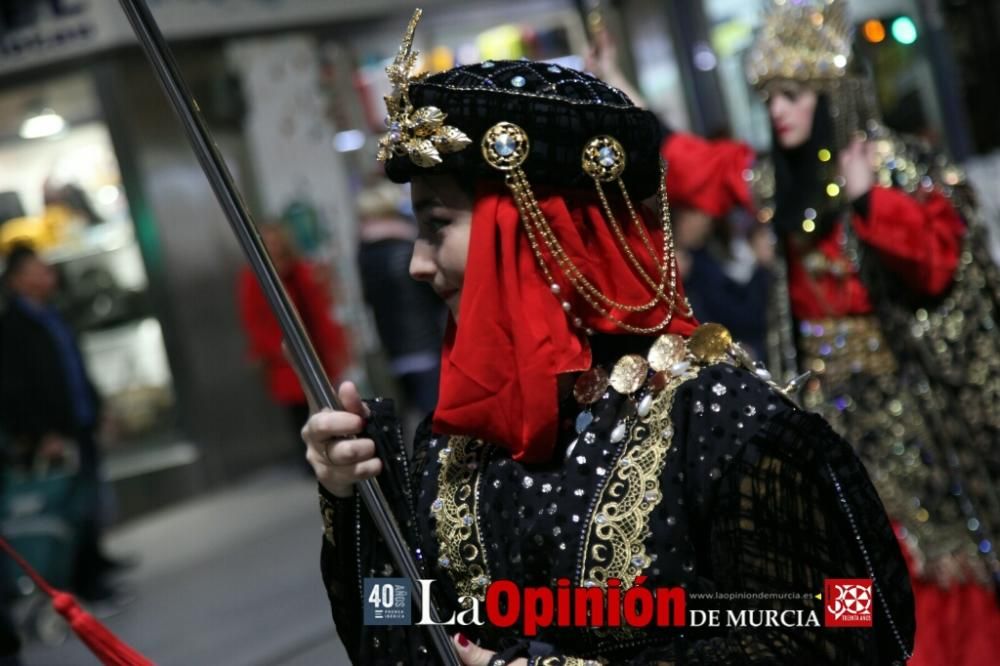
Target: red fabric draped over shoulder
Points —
{"points": [[501, 363]]}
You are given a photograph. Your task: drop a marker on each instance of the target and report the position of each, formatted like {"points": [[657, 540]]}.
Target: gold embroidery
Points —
{"points": [[834, 349], [614, 542], [326, 509], [457, 510]]}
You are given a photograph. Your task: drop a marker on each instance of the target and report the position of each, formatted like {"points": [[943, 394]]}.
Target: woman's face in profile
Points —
{"points": [[444, 218], [791, 107]]}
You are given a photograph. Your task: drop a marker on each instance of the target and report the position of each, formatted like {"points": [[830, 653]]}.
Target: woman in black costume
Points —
{"points": [[588, 428]]}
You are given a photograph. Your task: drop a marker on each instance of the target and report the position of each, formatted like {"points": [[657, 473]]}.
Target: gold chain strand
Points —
{"points": [[664, 201], [646, 240], [566, 264], [563, 259], [525, 202], [613, 221]]}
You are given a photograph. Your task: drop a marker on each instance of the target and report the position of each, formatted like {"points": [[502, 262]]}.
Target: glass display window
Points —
{"points": [[61, 193]]}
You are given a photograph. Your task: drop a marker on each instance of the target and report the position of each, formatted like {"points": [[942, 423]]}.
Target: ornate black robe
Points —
{"points": [[719, 485]]}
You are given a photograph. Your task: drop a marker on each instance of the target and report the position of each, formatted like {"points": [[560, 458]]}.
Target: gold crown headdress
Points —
{"points": [[802, 40], [419, 133], [810, 41]]}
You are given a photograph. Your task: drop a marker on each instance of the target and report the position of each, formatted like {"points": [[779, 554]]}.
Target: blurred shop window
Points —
{"points": [[732, 24], [61, 193], [658, 73]]}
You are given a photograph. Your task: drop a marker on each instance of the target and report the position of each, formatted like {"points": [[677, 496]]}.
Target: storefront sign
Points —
{"points": [[37, 32]]}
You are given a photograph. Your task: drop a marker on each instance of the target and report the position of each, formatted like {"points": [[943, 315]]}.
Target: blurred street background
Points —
{"points": [[230, 578], [206, 517]]}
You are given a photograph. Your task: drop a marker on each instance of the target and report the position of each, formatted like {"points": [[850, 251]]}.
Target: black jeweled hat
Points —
{"points": [[529, 124], [558, 108]]}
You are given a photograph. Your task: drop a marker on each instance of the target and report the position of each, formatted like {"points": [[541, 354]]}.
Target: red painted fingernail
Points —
{"points": [[462, 640]]}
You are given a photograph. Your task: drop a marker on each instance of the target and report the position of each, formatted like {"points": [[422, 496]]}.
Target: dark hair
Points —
{"points": [[800, 178], [19, 255]]}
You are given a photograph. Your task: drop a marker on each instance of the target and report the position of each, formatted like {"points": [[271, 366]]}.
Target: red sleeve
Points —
{"points": [[707, 175], [258, 321], [920, 241]]}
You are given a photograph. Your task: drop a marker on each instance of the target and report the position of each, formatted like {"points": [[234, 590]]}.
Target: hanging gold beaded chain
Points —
{"points": [[562, 258], [505, 146], [525, 203], [660, 264], [665, 220], [604, 160], [644, 235], [572, 272]]}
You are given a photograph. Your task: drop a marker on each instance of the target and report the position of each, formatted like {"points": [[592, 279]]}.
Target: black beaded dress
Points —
{"points": [[707, 477]]}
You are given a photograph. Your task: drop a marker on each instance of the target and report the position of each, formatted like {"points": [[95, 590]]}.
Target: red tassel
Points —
{"points": [[105, 645]]}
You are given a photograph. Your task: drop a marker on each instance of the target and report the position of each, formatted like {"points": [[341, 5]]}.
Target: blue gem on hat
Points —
{"points": [[606, 156], [505, 145], [554, 69], [488, 64], [518, 81]]}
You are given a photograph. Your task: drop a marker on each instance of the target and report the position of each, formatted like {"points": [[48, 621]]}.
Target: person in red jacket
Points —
{"points": [[885, 298], [312, 300]]}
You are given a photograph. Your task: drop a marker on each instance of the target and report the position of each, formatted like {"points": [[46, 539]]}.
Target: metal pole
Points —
{"points": [[304, 357]]}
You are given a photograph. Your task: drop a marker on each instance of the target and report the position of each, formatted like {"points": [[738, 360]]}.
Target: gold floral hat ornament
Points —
{"points": [[811, 42], [420, 133], [540, 124]]}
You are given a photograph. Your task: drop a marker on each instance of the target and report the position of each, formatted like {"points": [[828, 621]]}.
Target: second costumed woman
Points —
{"points": [[886, 294]]}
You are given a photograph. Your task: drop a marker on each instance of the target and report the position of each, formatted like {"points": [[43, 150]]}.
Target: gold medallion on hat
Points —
{"points": [[590, 386], [667, 350], [710, 342], [603, 158], [629, 374], [505, 146]]}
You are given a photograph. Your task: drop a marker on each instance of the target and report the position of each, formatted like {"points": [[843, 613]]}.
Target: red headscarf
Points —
{"points": [[500, 366]]}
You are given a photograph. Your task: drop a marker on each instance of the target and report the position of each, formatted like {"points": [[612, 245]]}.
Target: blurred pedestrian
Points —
{"points": [[726, 275], [48, 404], [409, 317], [312, 299]]}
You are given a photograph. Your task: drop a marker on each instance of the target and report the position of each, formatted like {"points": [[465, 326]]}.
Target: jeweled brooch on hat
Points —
{"points": [[419, 133]]}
